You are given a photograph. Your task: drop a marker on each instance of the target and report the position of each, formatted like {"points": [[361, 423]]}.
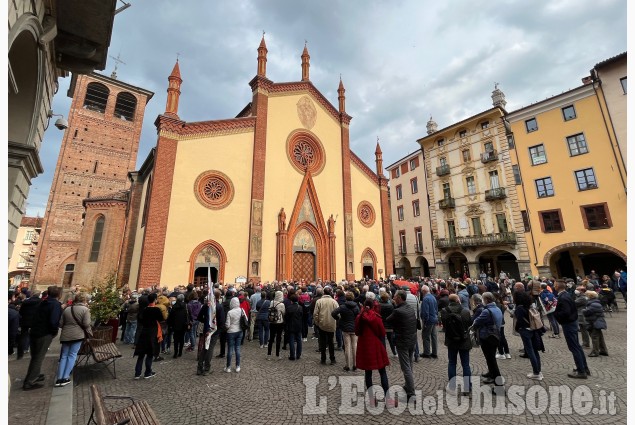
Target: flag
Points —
{"points": [[209, 276]]}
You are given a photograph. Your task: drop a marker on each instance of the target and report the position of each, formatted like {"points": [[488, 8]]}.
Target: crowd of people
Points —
{"points": [[368, 321]]}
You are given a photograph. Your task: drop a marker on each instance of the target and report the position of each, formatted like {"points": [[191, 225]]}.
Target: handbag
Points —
{"points": [[88, 332], [474, 339], [244, 321]]}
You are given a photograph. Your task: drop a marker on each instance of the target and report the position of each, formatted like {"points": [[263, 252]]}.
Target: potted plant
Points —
{"points": [[105, 304]]}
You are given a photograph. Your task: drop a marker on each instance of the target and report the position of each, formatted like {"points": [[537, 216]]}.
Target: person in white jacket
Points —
{"points": [[234, 333]]}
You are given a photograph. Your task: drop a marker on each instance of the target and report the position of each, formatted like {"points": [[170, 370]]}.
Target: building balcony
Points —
{"points": [[489, 156], [418, 248], [497, 193], [507, 238], [446, 203], [443, 170]]}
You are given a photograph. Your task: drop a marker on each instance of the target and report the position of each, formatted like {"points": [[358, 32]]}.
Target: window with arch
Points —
{"points": [[96, 97], [125, 106], [97, 234]]}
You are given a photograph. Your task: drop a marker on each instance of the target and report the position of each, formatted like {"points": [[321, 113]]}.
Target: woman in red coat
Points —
{"points": [[371, 349], [244, 304]]}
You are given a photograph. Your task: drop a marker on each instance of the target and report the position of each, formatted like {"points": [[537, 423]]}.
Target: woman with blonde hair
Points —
{"points": [[75, 325]]}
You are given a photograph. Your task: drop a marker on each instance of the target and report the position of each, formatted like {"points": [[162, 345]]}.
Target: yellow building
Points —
{"points": [[274, 193], [473, 192], [21, 261], [573, 194]]}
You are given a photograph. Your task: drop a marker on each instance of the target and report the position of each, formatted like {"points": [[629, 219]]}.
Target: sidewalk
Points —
{"points": [[45, 406]]}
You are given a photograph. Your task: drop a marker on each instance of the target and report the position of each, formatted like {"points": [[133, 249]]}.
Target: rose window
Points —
{"points": [[213, 189]]}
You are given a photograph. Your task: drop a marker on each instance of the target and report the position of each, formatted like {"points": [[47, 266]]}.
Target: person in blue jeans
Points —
{"points": [[234, 333], [75, 323], [193, 308], [456, 320], [262, 318]]}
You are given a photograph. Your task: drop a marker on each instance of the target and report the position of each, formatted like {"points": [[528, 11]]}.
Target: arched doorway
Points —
{"points": [[579, 258], [369, 264], [457, 264], [304, 250], [24, 83], [421, 267], [496, 261], [207, 258], [403, 268]]}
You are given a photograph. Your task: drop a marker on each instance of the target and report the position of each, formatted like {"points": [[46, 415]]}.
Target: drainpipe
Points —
{"points": [[425, 176], [596, 79], [522, 188]]}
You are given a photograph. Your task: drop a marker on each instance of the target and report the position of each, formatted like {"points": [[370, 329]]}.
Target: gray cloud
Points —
{"points": [[401, 61]]}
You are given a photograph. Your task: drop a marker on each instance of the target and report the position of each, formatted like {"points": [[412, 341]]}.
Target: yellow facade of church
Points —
{"points": [[273, 194]]}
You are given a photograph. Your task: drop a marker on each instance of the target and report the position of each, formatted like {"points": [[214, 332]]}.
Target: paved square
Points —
{"points": [[273, 391]]}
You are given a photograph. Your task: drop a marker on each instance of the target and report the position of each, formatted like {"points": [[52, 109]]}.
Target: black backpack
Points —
{"points": [[274, 314], [455, 330]]}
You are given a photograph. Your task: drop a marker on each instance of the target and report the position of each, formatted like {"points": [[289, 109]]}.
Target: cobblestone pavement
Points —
{"points": [[273, 391]]}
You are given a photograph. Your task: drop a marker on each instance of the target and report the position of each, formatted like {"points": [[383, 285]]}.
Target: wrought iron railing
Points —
{"points": [[507, 238]]}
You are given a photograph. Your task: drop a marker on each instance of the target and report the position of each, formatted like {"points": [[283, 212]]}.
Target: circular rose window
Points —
{"points": [[366, 213], [305, 152], [214, 190]]}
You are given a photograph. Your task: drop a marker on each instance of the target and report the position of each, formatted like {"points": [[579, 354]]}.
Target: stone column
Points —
{"points": [[474, 269]]}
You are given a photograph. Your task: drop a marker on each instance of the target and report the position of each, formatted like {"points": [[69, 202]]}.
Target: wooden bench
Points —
{"points": [[101, 351], [138, 412]]}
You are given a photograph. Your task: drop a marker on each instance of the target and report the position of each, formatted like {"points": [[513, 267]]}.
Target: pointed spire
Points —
{"points": [[262, 57], [378, 160], [174, 91], [341, 97], [305, 63]]}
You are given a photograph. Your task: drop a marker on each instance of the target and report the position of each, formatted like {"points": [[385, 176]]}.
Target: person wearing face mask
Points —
{"points": [[178, 323], [581, 301]]}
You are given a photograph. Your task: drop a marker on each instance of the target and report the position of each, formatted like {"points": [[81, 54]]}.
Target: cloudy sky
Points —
{"points": [[401, 61]]}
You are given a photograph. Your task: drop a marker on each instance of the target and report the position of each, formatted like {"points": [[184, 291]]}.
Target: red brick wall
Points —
{"points": [[114, 213], [133, 217], [158, 212], [90, 137]]}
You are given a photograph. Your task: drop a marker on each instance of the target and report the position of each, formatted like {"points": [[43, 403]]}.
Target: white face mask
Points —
{"points": [[577, 292], [173, 302]]}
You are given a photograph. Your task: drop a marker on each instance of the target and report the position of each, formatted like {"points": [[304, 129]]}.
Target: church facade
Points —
{"points": [[274, 193]]}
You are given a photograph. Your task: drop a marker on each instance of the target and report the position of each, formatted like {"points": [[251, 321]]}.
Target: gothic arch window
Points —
{"points": [[96, 97], [125, 106], [97, 236]]}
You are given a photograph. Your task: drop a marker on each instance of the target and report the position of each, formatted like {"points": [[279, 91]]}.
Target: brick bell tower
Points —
{"points": [[98, 150]]}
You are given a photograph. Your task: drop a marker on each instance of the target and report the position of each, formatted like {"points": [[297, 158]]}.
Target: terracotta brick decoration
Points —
{"points": [[98, 150], [158, 210]]}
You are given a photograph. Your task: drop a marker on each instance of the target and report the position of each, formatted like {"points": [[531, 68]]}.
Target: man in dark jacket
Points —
{"points": [[177, 323], [223, 332], [404, 324], [27, 315], [211, 330], [45, 328], [14, 322], [567, 315], [456, 320], [293, 326], [345, 315]]}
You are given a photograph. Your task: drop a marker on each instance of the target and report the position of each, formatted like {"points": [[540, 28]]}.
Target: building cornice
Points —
{"points": [[405, 158], [551, 103]]}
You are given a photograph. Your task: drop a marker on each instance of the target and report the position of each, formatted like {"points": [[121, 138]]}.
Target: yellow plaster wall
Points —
{"points": [[560, 166], [364, 189], [190, 223], [282, 180]]}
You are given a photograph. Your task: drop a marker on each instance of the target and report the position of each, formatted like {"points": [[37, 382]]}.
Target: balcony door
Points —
{"points": [[419, 238], [502, 223], [446, 191], [451, 230], [493, 179]]}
